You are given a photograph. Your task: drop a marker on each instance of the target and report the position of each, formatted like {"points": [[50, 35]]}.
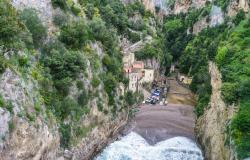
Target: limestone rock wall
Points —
{"points": [[43, 7], [23, 138], [211, 127], [235, 6]]}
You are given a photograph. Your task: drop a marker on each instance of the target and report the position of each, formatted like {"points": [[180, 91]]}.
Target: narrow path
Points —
{"points": [[179, 94]]}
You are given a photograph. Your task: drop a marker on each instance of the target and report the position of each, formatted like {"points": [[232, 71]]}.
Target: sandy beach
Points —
{"points": [[157, 123]]}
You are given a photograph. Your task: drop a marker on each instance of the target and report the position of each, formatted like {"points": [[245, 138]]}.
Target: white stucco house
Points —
{"points": [[148, 76]]}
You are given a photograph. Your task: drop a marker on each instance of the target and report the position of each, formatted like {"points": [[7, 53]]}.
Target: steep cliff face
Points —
{"points": [[32, 138], [28, 130], [150, 5], [211, 128], [235, 6], [44, 9], [215, 18]]}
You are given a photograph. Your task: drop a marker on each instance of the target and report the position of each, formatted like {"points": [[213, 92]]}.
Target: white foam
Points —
{"points": [[134, 147]]}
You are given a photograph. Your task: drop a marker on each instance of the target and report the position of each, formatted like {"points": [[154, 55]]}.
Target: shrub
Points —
{"points": [[34, 24], [37, 107], [100, 105], [2, 102], [79, 85], [229, 92], [130, 98], [107, 60], [31, 117], [9, 107], [65, 136], [241, 129], [75, 9], [134, 36], [10, 27], [113, 14], [68, 107], [83, 98], [12, 126], [202, 104], [106, 35], [74, 34], [64, 64], [109, 86], [63, 85], [244, 89], [90, 10], [138, 25], [59, 3], [23, 61], [95, 82], [60, 19]]}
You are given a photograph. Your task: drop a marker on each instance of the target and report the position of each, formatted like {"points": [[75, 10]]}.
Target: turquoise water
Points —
{"points": [[134, 147]]}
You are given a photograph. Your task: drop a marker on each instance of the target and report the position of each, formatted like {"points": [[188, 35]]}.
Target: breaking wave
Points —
{"points": [[134, 147]]}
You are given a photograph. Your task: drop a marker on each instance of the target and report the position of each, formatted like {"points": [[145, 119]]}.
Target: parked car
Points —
{"points": [[154, 101], [149, 100], [156, 94], [156, 97], [158, 90]]}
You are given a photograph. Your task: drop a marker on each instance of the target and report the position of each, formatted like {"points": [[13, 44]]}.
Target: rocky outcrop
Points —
{"points": [[43, 7], [136, 46], [30, 141], [211, 128], [216, 17], [181, 6], [200, 25], [25, 138], [235, 6], [98, 138], [149, 4]]}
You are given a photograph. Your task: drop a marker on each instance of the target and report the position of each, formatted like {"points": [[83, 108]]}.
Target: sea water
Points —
{"points": [[134, 147]]}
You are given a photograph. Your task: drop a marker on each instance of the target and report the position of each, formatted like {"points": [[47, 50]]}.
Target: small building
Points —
{"points": [[135, 83], [138, 65], [148, 75], [185, 80], [127, 68], [136, 73]]}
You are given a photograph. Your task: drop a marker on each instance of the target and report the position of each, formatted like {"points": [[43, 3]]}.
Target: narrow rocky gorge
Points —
{"points": [[64, 95]]}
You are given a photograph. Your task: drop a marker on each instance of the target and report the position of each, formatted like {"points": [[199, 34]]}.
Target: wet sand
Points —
{"points": [[157, 123]]}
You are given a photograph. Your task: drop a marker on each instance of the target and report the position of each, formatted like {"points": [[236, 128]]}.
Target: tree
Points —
{"points": [[10, 27], [59, 3], [34, 24], [176, 38], [130, 98], [74, 34]]}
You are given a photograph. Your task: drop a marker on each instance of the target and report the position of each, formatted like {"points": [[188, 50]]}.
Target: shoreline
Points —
{"points": [[156, 123]]}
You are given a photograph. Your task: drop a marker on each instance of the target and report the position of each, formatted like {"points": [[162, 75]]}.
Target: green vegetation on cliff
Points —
{"points": [[233, 58], [77, 61], [227, 44], [71, 74], [229, 47]]}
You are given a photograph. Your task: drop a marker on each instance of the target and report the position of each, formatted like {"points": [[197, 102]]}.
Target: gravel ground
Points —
{"points": [[157, 123]]}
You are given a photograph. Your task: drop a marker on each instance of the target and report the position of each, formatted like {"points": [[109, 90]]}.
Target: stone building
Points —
{"points": [[148, 76]]}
